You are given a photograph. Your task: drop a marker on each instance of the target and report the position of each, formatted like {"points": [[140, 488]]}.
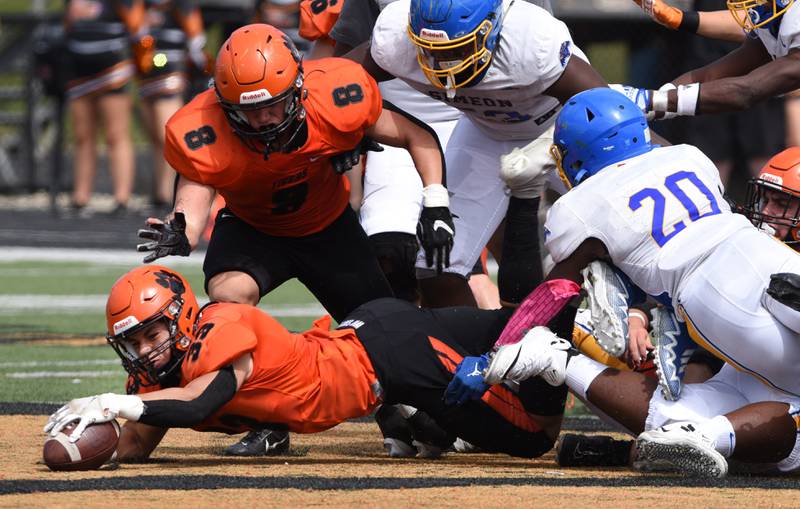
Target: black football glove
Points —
{"points": [[346, 160], [435, 231], [165, 239]]}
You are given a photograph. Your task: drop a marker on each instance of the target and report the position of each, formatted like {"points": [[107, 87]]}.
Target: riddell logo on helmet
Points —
{"points": [[125, 324], [433, 35], [774, 179], [254, 96]]}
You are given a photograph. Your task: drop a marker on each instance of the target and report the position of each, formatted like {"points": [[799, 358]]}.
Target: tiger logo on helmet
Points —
{"points": [[137, 300], [773, 197], [258, 67]]}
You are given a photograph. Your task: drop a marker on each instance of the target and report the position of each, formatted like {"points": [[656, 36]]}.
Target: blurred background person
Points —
{"points": [[172, 40], [98, 36]]}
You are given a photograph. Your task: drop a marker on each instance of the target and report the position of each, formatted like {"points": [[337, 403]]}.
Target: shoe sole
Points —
{"points": [[657, 454], [398, 449], [606, 320]]}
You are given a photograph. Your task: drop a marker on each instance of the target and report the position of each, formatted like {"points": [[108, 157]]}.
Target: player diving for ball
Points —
{"points": [[231, 367]]}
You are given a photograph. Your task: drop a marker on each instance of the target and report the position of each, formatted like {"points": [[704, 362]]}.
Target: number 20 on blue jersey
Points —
{"points": [[660, 202]]}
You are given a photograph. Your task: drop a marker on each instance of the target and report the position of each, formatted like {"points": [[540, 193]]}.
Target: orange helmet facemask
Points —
{"points": [[257, 67], [777, 182], [137, 300]]}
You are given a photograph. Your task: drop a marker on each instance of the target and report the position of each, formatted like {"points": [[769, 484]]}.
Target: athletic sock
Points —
{"points": [[721, 431], [581, 372]]}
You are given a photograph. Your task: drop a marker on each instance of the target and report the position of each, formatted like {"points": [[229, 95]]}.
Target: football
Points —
{"points": [[89, 452]]}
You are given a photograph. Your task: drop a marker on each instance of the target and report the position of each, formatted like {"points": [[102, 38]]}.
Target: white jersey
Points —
{"points": [[421, 106], [507, 104], [788, 34], [659, 214]]}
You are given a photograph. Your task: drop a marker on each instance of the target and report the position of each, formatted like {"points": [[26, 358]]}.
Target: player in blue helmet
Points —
{"points": [[597, 128], [455, 39]]}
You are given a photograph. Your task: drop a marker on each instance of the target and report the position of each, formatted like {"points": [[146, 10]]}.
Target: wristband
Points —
{"points": [[690, 22], [660, 100], [638, 313], [435, 195], [687, 98]]}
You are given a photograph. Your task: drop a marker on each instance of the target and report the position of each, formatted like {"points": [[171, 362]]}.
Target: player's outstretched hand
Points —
{"points": [[92, 410], [436, 231], [467, 383], [165, 239], [346, 160], [662, 13]]}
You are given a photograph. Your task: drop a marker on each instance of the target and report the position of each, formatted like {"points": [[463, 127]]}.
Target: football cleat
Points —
{"points": [[261, 442], [608, 302], [673, 350], [429, 439], [540, 353], [679, 447], [397, 432], [592, 451]]}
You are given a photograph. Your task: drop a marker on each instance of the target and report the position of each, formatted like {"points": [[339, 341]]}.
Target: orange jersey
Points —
{"points": [[317, 18], [290, 194], [309, 381]]}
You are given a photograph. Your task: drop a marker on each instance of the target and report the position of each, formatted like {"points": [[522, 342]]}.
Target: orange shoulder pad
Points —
{"points": [[199, 142], [343, 99], [222, 337], [317, 17]]}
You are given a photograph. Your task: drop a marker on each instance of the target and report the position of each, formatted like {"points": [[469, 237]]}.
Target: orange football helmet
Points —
{"points": [[773, 198], [138, 299], [259, 66]]}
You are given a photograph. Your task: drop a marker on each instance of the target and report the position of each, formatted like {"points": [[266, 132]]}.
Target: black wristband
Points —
{"points": [[690, 22]]}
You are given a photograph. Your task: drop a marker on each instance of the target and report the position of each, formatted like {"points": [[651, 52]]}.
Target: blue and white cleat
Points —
{"points": [[673, 350], [609, 299]]}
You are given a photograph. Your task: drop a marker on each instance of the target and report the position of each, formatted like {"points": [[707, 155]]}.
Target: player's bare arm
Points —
{"points": [[401, 130], [137, 441], [741, 61], [577, 77], [712, 24], [738, 93]]}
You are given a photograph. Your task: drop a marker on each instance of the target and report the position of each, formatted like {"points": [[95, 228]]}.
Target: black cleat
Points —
{"points": [[397, 433], [261, 442], [429, 439], [592, 451]]}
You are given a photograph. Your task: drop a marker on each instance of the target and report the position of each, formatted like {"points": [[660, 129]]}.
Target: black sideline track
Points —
{"points": [[215, 482]]}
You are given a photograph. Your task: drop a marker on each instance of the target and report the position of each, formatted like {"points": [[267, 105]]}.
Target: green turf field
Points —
{"points": [[56, 301], [52, 324]]}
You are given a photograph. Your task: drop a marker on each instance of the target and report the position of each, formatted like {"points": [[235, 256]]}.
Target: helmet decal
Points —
{"points": [[171, 281]]}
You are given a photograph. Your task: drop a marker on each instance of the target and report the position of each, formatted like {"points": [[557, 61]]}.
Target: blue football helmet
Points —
{"points": [[752, 14], [594, 129], [455, 39]]}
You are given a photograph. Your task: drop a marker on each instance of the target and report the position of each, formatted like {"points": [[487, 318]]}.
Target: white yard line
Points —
{"points": [[107, 256], [64, 374], [126, 257], [41, 364], [73, 304]]}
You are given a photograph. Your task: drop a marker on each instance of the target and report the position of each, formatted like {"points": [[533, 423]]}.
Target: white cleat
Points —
{"points": [[539, 353], [608, 302], [679, 447]]}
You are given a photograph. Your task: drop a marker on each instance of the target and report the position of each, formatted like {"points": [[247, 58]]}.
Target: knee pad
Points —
{"points": [[525, 170], [397, 253]]}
